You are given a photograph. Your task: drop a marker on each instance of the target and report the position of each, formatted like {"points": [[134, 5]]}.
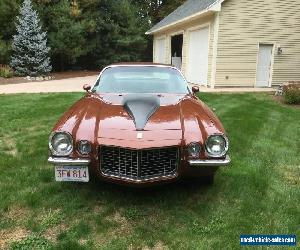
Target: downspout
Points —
{"points": [[215, 50]]}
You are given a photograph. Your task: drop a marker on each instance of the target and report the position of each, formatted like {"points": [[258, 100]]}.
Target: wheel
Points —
{"points": [[199, 180], [208, 180]]}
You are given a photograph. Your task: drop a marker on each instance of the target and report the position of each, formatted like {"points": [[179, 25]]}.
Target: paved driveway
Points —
{"points": [[75, 85], [64, 85]]}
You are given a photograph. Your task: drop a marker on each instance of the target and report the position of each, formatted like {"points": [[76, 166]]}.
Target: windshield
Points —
{"points": [[141, 79]]}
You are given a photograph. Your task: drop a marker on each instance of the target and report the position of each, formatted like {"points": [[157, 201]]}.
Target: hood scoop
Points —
{"points": [[140, 107]]}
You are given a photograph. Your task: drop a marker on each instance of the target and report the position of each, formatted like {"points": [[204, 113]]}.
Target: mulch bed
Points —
{"points": [[56, 75]]}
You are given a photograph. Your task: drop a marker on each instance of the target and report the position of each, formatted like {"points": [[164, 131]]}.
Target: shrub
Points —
{"points": [[5, 71], [291, 93]]}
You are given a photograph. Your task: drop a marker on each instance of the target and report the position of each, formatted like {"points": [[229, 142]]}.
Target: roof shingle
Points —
{"points": [[190, 7]]}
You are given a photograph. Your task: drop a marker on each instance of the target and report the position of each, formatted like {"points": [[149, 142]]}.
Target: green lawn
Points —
{"points": [[258, 194]]}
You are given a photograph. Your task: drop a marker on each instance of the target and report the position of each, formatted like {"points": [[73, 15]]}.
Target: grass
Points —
{"points": [[258, 194]]}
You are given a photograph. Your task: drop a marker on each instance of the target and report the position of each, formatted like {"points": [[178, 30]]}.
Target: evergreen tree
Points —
{"points": [[30, 51], [8, 11], [84, 34], [114, 30], [66, 33]]}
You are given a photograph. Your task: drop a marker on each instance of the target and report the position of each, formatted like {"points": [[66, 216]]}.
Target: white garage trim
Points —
{"points": [[272, 65], [179, 32], [215, 50], [198, 27]]}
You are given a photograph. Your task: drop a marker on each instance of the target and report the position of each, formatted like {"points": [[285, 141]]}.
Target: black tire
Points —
{"points": [[208, 180]]}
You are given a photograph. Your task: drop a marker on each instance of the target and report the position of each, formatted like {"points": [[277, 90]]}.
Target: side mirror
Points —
{"points": [[195, 89], [87, 87]]}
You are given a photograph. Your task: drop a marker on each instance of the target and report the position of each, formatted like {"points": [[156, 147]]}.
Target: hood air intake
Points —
{"points": [[141, 107]]}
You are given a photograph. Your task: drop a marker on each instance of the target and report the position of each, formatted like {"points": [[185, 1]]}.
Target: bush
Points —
{"points": [[291, 93], [5, 71]]}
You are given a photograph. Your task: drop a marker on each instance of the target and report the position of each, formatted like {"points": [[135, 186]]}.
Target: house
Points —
{"points": [[232, 43]]}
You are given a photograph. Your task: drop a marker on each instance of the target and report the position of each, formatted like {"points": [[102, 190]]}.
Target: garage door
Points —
{"points": [[198, 56], [160, 50]]}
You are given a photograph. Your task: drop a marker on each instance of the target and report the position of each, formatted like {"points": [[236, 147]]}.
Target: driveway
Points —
{"points": [[75, 85], [64, 85]]}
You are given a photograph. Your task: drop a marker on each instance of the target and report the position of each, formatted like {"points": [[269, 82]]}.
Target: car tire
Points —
{"points": [[208, 180]]}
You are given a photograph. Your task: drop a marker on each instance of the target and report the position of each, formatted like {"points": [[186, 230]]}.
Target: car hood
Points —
{"points": [[103, 120]]}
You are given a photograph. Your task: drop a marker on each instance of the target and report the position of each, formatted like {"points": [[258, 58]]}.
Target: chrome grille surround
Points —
{"points": [[139, 165]]}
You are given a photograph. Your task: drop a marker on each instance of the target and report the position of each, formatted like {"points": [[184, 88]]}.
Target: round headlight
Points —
{"points": [[84, 147], [61, 144], [216, 145], [194, 149]]}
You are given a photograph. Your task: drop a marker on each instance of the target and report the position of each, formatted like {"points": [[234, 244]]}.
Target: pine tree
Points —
{"points": [[30, 51]]}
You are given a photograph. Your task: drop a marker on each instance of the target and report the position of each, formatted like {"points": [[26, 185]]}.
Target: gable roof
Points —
{"points": [[189, 8]]}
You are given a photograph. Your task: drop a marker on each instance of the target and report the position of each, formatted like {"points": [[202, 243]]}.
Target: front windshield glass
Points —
{"points": [[141, 79]]}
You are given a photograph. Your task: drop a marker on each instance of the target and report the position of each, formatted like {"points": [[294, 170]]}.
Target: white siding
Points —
{"points": [[243, 25]]}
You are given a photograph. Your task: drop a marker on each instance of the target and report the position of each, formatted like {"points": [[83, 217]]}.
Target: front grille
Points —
{"points": [[138, 164]]}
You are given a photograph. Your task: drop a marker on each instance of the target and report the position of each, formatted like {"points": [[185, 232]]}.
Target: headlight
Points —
{"points": [[61, 143], [216, 145], [194, 149], [84, 147]]}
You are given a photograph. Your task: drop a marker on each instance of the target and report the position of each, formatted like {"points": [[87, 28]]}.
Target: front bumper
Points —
{"points": [[191, 168], [210, 162], [68, 161]]}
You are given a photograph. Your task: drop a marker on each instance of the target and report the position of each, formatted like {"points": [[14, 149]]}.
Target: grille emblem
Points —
{"points": [[139, 135]]}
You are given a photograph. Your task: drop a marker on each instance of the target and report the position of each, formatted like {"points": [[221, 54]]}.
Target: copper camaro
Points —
{"points": [[140, 124]]}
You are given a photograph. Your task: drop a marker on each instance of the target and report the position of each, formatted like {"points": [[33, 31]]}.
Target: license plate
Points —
{"points": [[72, 173]]}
